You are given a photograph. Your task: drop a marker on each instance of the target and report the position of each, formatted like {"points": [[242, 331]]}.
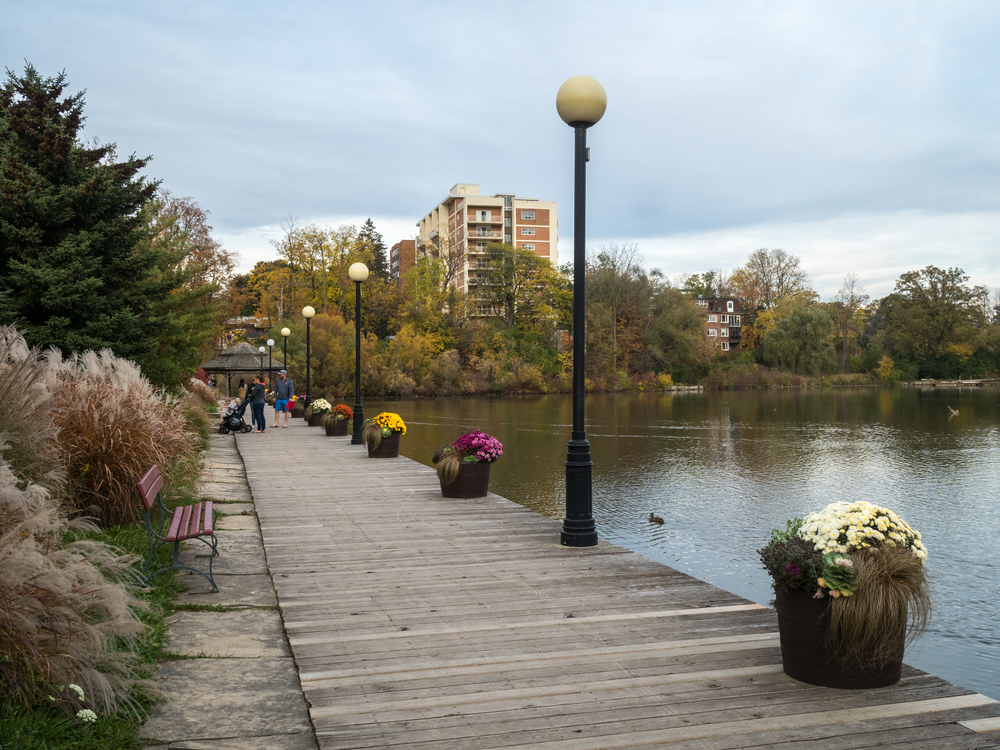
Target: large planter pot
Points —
{"points": [[315, 419], [336, 427], [388, 448], [473, 480], [298, 411], [806, 655]]}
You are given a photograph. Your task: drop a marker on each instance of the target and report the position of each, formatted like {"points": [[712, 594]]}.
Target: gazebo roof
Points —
{"points": [[241, 358]]}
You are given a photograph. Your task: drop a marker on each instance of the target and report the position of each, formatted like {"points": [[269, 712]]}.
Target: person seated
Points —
{"points": [[230, 408]]}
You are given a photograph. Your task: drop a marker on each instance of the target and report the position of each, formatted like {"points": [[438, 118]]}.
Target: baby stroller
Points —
{"points": [[234, 422]]}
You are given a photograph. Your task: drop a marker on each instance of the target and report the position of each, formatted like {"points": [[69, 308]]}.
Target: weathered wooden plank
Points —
{"points": [[422, 622]]}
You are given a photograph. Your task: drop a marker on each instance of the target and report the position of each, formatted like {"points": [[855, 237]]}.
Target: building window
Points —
{"points": [[725, 346], [484, 215], [712, 332], [527, 216], [527, 246], [729, 305], [702, 302], [725, 333], [527, 231], [713, 318], [734, 320], [506, 222]]}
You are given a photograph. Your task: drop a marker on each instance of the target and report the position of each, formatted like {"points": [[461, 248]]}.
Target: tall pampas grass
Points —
{"points": [[202, 390], [66, 604], [27, 434], [113, 425]]}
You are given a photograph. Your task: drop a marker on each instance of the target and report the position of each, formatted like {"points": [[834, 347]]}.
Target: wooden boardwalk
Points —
{"points": [[422, 622]]}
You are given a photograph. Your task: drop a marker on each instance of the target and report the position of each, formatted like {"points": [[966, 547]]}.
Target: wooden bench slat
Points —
{"points": [[150, 484], [194, 528], [148, 478], [182, 532], [175, 525], [207, 527]]}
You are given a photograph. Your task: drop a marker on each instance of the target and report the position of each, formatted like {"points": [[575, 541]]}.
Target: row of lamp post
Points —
{"points": [[581, 102], [358, 272]]}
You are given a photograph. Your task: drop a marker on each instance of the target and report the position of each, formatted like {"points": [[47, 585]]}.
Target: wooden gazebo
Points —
{"points": [[242, 361]]}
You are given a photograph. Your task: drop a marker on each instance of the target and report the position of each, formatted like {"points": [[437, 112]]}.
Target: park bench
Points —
{"points": [[186, 522]]}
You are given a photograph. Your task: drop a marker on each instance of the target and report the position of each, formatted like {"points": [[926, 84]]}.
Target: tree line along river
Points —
{"points": [[724, 468]]}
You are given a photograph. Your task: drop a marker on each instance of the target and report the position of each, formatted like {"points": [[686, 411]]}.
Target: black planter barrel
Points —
{"points": [[473, 480], [336, 427], [388, 448], [806, 655]]}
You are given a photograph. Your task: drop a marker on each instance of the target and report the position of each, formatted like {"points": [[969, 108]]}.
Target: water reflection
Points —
{"points": [[723, 469]]}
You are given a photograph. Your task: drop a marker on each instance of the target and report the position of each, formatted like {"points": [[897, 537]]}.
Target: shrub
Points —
{"points": [[113, 425], [664, 381]]}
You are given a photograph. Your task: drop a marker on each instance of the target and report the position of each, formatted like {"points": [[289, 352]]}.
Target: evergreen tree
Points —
{"points": [[380, 259], [69, 225]]}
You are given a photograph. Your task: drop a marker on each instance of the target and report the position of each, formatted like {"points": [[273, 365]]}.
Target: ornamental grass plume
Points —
{"points": [[371, 435], [27, 434], [113, 425], [202, 390], [891, 605], [66, 604], [448, 463]]}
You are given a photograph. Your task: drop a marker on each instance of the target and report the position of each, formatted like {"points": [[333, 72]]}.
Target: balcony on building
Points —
{"points": [[491, 217]]}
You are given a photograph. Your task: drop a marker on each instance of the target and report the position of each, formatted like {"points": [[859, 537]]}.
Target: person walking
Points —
{"points": [[256, 397], [284, 389], [241, 393]]}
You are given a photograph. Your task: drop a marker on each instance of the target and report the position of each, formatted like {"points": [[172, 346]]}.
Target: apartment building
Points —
{"points": [[402, 257], [460, 227], [722, 321]]}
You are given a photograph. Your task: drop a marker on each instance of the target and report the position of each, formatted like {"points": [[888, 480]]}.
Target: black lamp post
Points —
{"points": [[270, 376], [308, 313], [581, 102], [358, 272], [261, 350], [285, 333]]}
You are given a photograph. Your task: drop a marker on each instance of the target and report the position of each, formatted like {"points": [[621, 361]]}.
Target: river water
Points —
{"points": [[724, 468]]}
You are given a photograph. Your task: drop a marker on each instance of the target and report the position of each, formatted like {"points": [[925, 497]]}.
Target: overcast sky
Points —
{"points": [[860, 136]]}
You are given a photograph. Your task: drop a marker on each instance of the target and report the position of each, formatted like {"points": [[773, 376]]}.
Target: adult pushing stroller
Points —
{"points": [[233, 421]]}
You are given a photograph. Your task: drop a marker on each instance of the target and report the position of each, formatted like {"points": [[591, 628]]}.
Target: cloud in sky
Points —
{"points": [[861, 136]]}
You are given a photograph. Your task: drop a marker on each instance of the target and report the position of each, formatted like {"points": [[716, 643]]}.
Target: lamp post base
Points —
{"points": [[359, 419], [579, 528]]}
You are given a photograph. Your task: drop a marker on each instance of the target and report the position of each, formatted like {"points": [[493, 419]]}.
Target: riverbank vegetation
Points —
{"points": [[644, 331]]}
